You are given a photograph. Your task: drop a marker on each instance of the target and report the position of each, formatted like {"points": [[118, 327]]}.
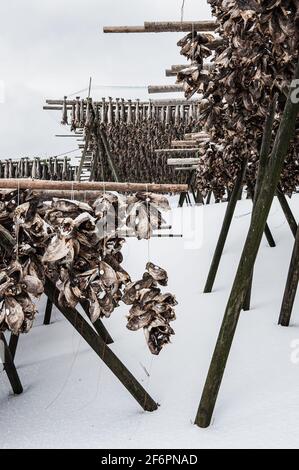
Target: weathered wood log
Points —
{"points": [[231, 206], [163, 27], [43, 186], [10, 368], [124, 29], [197, 135], [185, 168], [291, 286], [179, 26], [165, 89], [183, 143], [179, 150], [264, 200], [182, 161]]}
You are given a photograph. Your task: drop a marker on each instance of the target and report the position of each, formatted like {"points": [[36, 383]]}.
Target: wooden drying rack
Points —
{"points": [[96, 335]]}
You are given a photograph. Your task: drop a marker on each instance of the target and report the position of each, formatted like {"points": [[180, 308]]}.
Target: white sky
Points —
{"points": [[50, 48]]}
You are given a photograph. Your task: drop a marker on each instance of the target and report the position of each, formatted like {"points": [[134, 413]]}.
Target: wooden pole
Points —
{"points": [[264, 200], [48, 312], [165, 89], [163, 27], [108, 155], [225, 229], [182, 161], [10, 368], [178, 150], [44, 185], [291, 286], [13, 344], [263, 162], [287, 211]]}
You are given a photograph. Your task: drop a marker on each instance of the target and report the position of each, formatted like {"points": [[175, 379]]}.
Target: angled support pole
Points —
{"points": [[263, 163], [185, 195], [287, 210], [291, 286], [264, 200], [225, 228], [10, 367], [13, 344], [102, 350]]}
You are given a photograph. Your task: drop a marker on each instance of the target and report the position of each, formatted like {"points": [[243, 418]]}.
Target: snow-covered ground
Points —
{"points": [[72, 400]]}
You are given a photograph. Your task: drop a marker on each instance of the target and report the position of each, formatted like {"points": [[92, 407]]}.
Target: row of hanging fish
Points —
{"points": [[83, 112], [46, 169], [78, 247], [256, 60]]}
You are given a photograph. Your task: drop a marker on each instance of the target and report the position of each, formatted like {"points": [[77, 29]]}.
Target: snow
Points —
{"points": [[71, 399]]}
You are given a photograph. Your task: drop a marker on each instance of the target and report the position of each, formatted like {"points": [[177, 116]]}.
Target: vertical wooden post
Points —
{"points": [[291, 286], [231, 205], [10, 368], [264, 200]]}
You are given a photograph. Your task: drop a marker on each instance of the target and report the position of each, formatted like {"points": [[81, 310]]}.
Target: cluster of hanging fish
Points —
{"points": [[196, 47], [255, 61], [133, 131], [78, 247], [52, 168]]}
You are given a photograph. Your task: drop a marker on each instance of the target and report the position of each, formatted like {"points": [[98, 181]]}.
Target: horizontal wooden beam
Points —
{"points": [[165, 89], [197, 135], [179, 26], [180, 150], [163, 27], [186, 168], [183, 143], [43, 185], [182, 161]]}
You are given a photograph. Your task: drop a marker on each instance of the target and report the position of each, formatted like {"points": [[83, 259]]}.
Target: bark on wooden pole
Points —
{"points": [[224, 229], [291, 286], [264, 200], [44, 185]]}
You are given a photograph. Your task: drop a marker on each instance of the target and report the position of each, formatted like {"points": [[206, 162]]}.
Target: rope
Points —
{"points": [[182, 11]]}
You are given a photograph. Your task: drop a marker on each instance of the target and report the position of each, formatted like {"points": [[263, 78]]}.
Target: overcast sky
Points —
{"points": [[50, 48]]}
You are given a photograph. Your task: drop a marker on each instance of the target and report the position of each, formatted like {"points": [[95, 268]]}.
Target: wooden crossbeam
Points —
{"points": [[178, 150], [44, 185], [163, 27], [152, 89], [182, 161]]}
